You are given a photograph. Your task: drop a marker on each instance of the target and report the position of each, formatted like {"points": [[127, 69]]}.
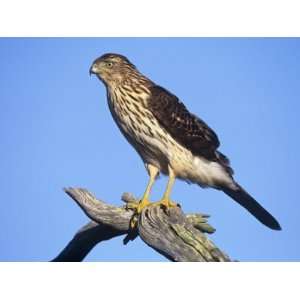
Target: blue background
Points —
{"points": [[56, 131]]}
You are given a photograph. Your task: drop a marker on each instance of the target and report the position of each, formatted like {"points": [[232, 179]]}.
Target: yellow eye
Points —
{"points": [[109, 64]]}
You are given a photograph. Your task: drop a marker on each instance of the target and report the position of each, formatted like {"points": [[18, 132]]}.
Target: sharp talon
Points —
{"points": [[137, 207], [167, 203], [133, 222], [164, 207], [166, 210]]}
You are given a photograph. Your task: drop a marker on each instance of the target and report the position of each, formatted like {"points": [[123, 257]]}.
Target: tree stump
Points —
{"points": [[170, 232]]}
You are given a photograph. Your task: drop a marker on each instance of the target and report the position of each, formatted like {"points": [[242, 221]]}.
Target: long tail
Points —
{"points": [[244, 199]]}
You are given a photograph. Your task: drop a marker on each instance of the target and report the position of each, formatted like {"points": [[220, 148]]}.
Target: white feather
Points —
{"points": [[210, 173]]}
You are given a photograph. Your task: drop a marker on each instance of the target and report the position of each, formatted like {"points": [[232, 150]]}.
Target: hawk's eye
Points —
{"points": [[109, 64]]}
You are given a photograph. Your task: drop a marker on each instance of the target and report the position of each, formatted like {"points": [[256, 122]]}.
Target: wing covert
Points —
{"points": [[186, 128]]}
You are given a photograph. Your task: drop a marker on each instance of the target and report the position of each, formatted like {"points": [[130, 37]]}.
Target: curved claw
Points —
{"points": [[137, 207], [167, 203]]}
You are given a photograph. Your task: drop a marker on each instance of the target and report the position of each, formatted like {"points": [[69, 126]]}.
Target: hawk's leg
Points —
{"points": [[153, 172], [166, 201], [138, 206]]}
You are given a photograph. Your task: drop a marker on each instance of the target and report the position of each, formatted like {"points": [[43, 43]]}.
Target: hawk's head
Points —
{"points": [[112, 68]]}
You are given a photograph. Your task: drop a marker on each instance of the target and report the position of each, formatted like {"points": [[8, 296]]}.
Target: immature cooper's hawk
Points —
{"points": [[167, 136]]}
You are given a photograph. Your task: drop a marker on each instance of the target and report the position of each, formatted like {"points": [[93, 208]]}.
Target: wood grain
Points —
{"points": [[176, 236]]}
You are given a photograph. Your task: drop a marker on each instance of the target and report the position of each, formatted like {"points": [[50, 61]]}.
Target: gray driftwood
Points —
{"points": [[173, 234]]}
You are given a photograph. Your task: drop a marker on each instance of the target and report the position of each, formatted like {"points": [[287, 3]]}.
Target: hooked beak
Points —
{"points": [[92, 70]]}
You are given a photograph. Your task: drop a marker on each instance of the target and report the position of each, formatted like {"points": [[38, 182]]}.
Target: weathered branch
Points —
{"points": [[177, 236]]}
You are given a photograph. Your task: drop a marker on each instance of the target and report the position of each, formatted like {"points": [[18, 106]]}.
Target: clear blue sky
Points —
{"points": [[56, 131]]}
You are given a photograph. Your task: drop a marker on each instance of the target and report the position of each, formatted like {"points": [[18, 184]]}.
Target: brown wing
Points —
{"points": [[186, 128]]}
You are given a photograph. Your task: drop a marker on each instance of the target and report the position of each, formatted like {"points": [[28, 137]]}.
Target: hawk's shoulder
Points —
{"points": [[186, 128]]}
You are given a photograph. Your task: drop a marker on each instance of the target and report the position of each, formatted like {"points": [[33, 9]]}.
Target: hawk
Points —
{"points": [[169, 139]]}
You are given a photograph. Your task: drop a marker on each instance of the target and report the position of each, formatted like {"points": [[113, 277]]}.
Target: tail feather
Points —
{"points": [[244, 199]]}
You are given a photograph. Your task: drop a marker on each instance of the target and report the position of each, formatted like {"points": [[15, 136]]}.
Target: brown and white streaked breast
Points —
{"points": [[142, 130]]}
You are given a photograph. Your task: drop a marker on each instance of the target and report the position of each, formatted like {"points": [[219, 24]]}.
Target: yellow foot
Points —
{"points": [[137, 207], [166, 203]]}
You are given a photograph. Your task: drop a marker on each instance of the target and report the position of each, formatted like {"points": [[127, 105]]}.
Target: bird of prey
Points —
{"points": [[169, 139]]}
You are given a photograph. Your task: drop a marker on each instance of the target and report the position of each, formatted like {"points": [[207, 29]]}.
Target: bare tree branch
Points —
{"points": [[176, 236]]}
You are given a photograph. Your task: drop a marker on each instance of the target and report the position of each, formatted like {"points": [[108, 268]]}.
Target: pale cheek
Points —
{"points": [[117, 77]]}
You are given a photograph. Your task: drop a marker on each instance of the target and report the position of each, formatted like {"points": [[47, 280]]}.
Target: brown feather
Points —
{"points": [[186, 128]]}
